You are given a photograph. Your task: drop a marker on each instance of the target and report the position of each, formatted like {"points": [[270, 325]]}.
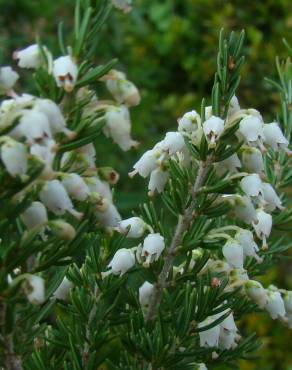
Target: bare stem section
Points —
{"points": [[12, 361], [183, 224]]}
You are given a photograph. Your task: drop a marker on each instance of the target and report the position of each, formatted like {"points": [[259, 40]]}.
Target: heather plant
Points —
{"points": [[165, 287]]}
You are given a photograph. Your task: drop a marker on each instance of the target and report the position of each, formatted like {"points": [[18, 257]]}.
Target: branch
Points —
{"points": [[12, 361], [183, 224]]}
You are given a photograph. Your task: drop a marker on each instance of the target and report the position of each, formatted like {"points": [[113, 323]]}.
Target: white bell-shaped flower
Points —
{"points": [[56, 120], [46, 152], [124, 5], [123, 260], [96, 185], [145, 293], [213, 128], [230, 164], [233, 252], [109, 217], [118, 127], [65, 72], [89, 154], [189, 122], [256, 292], [152, 247], [271, 199], [252, 160], [75, 186], [14, 156], [250, 247], [251, 185], [35, 289], [30, 57], [210, 337], [251, 129], [63, 290], [56, 199], [244, 209], [172, 143], [274, 136], [228, 333], [8, 78], [134, 227], [147, 163], [263, 226], [34, 215], [34, 126], [275, 305], [158, 180]]}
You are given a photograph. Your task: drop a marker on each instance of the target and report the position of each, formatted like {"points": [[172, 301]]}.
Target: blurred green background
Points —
{"points": [[168, 48]]}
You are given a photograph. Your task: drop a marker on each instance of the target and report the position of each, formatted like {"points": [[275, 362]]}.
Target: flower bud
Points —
{"points": [[252, 160], [134, 227], [34, 288], [34, 215], [256, 292], [158, 180], [271, 198], [213, 128], [56, 199], [30, 57], [153, 245], [172, 143], [275, 305], [122, 261], [14, 156], [251, 129], [233, 253], [8, 78], [65, 72], [251, 185], [123, 90], [62, 292], [145, 292], [62, 229], [274, 136], [75, 186], [118, 127], [189, 122]]}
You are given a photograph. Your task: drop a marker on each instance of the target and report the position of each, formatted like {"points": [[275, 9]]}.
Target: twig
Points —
{"points": [[182, 226]]}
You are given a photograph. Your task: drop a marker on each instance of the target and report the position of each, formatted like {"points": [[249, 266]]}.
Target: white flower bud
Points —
{"points": [[263, 226], [109, 217], [62, 292], [145, 292], [56, 199], [189, 122], [252, 160], [34, 126], [275, 305], [62, 229], [134, 227], [124, 5], [274, 136], [250, 247], [256, 292], [34, 215], [118, 127], [230, 164], [52, 111], [233, 252], [158, 180], [123, 90], [35, 289], [153, 245], [251, 185], [251, 129], [65, 72], [8, 78], [14, 156], [209, 338], [244, 209], [213, 128], [147, 163], [75, 186], [172, 143], [30, 57], [122, 261], [271, 198]]}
